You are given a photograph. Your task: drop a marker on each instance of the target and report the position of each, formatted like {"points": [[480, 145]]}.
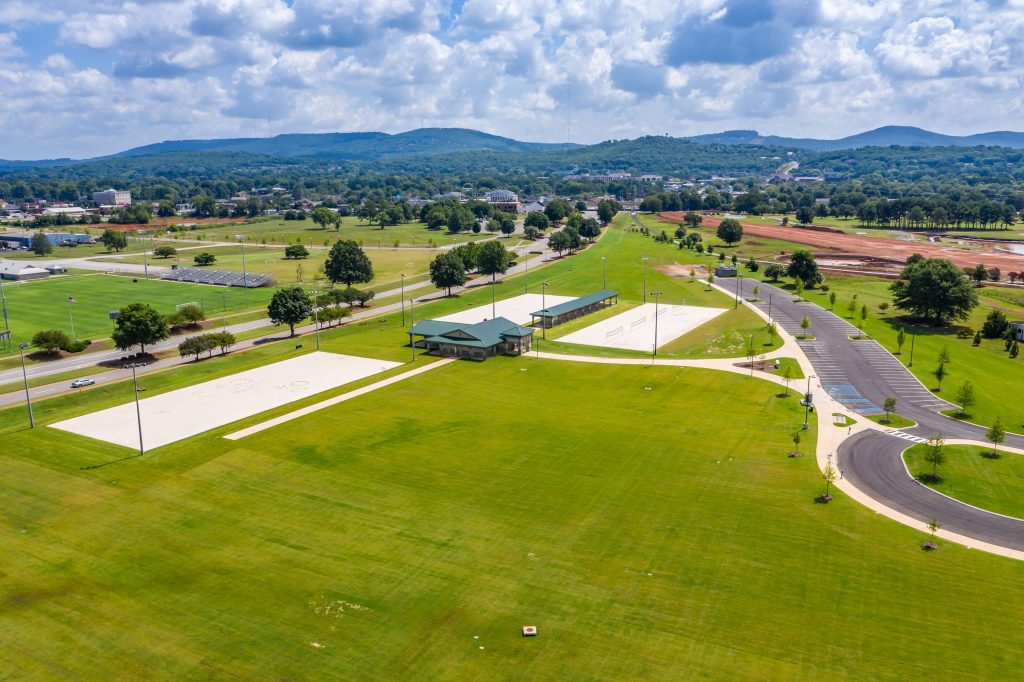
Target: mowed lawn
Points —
{"points": [[43, 304], [995, 484], [291, 231], [647, 533], [388, 263]]}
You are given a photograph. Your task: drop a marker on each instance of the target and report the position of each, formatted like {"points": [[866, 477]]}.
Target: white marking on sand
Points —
{"points": [[517, 309], [634, 329], [179, 414]]}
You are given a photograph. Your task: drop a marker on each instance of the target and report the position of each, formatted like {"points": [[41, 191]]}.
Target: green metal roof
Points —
{"points": [[576, 304], [480, 335]]}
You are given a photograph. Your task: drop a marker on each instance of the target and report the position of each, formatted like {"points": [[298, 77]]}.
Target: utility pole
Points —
{"points": [[644, 259], [657, 298], [138, 410], [403, 298], [28, 398]]}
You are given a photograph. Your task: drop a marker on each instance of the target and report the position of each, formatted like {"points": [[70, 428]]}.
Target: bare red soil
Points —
{"points": [[872, 246]]}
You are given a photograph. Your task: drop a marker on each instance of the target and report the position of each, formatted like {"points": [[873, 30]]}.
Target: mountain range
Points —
{"points": [[428, 142]]}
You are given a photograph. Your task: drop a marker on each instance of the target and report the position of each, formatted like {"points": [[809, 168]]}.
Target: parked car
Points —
{"points": [[79, 383]]}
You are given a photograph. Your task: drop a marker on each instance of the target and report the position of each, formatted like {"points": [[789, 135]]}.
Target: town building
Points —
{"points": [[1017, 330], [503, 200], [12, 270], [471, 341], [112, 197]]}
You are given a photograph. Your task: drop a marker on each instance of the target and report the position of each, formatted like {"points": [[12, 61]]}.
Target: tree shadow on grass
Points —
{"points": [[929, 479]]}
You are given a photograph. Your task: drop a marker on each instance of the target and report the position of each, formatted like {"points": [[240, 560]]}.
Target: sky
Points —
{"points": [[83, 78]]}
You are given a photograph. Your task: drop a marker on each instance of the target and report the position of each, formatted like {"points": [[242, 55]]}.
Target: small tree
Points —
{"points": [[965, 397], [863, 314], [830, 475], [1014, 351], [447, 271], [832, 299], [796, 444], [787, 375], [977, 339], [935, 455], [41, 244], [164, 252], [348, 263], [933, 528], [139, 324], [805, 324], [940, 374], [774, 272], [901, 337], [757, 290], [51, 340], [799, 285], [290, 306], [889, 405], [996, 435], [205, 259], [772, 330], [851, 307], [296, 251]]}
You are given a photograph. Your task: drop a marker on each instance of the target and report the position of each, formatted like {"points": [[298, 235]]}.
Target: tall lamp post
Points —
{"points": [[657, 297], [24, 375], [644, 259], [403, 298], [739, 279], [494, 314], [71, 316], [913, 337], [316, 318], [604, 278], [544, 309], [245, 277], [3, 297], [138, 410], [807, 401], [526, 277]]}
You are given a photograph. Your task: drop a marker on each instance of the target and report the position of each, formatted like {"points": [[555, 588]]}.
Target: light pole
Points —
{"points": [[316, 318], [138, 410], [403, 298], [145, 259], [913, 337], [736, 303], [71, 315], [657, 297], [224, 302], [245, 278], [604, 278], [526, 277], [28, 398], [3, 297], [412, 341], [769, 306], [493, 309], [807, 400], [644, 259], [544, 309]]}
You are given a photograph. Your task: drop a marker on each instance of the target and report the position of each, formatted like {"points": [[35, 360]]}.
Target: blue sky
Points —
{"points": [[89, 77]]}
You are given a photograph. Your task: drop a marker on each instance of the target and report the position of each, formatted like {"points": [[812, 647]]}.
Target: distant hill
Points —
{"points": [[886, 136], [353, 146]]}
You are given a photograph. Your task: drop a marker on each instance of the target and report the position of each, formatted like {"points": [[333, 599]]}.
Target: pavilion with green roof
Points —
{"points": [[472, 341], [578, 307]]}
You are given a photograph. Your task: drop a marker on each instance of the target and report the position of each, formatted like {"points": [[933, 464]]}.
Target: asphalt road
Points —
{"points": [[860, 374]]}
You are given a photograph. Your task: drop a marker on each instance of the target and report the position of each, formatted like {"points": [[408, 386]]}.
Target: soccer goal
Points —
{"points": [[194, 304]]}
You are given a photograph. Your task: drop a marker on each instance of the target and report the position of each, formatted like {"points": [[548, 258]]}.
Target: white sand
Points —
{"points": [[517, 309], [634, 329], [172, 416]]}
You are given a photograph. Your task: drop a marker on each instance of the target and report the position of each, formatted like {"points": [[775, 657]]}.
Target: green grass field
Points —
{"points": [[388, 263], [291, 231], [995, 484], [42, 304], [648, 531], [642, 543]]}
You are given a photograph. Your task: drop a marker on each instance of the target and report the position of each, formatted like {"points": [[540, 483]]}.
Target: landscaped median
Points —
{"points": [[971, 474]]}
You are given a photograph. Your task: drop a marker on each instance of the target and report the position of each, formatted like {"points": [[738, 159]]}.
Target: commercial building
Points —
{"points": [[23, 240], [471, 341], [1017, 329], [112, 197], [21, 271], [503, 200]]}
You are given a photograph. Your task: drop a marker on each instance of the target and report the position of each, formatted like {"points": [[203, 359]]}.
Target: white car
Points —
{"points": [[79, 383]]}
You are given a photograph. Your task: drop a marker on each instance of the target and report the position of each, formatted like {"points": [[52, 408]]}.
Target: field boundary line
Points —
{"points": [[315, 407]]}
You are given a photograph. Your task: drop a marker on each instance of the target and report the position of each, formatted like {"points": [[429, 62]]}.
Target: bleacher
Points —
{"points": [[217, 277]]}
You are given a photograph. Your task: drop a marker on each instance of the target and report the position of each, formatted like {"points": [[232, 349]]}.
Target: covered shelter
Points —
{"points": [[472, 341], [578, 307]]}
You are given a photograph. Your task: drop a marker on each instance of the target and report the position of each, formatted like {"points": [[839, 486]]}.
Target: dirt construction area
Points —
{"points": [[872, 246]]}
